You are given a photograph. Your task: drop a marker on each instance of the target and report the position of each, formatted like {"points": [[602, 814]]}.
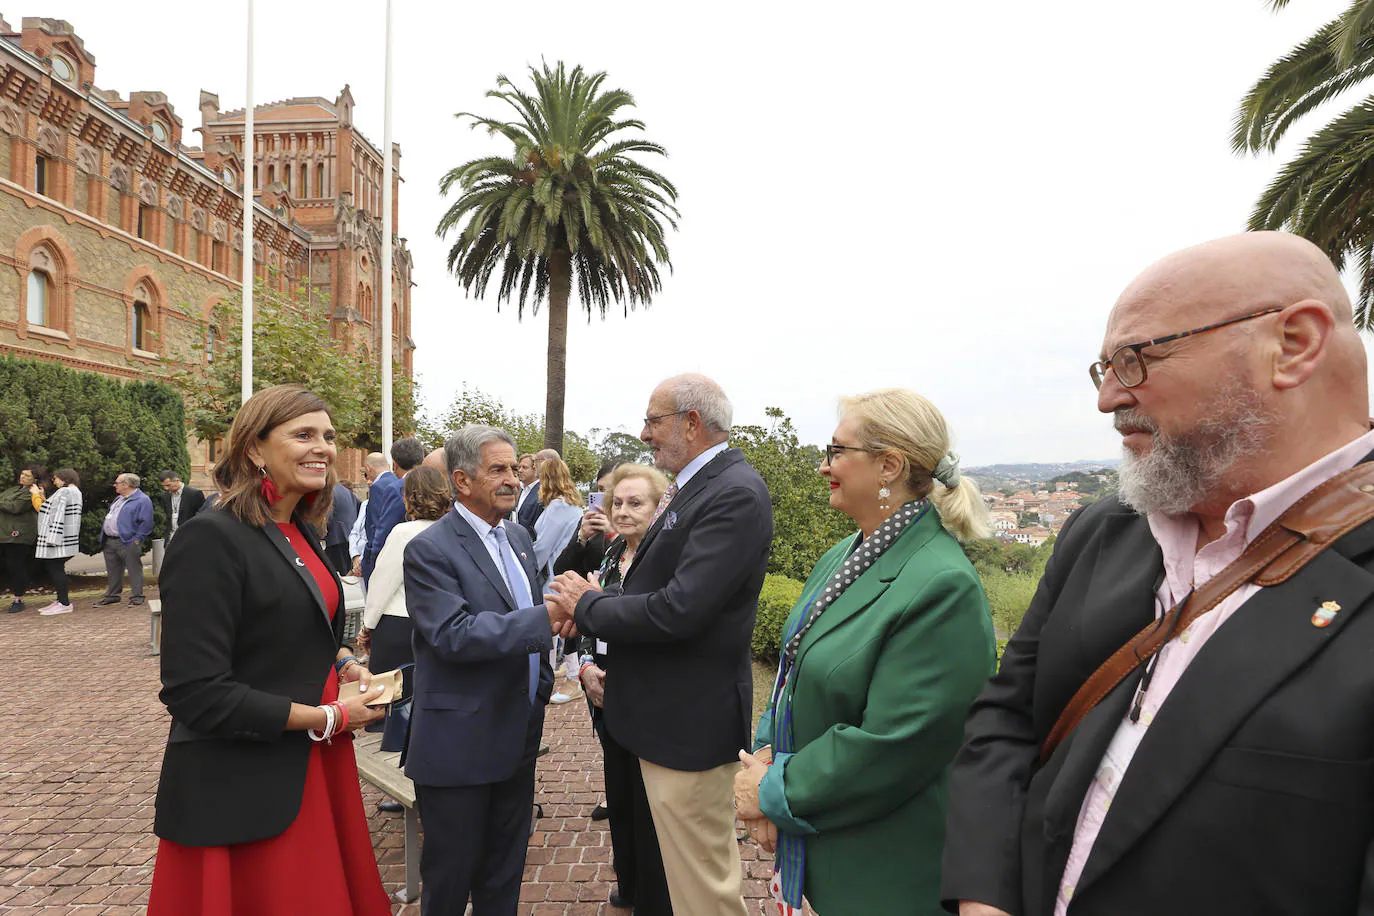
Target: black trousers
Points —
{"points": [[17, 558], [57, 575], [634, 843], [476, 838], [391, 646]]}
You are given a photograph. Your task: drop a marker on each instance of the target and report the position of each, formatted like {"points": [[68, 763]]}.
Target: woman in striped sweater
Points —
{"points": [[59, 531]]}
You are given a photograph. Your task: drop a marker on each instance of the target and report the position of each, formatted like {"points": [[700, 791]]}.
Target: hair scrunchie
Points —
{"points": [[947, 471]]}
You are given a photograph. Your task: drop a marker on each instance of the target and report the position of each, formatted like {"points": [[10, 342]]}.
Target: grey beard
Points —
{"points": [[1180, 473]]}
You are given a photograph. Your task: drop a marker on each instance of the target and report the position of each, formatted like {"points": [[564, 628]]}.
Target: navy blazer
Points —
{"points": [[471, 711], [386, 509], [342, 516], [531, 510]]}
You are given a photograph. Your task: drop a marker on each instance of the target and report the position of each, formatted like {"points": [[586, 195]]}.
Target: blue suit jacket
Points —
{"points": [[471, 711], [342, 516], [136, 518], [529, 513], [386, 509]]}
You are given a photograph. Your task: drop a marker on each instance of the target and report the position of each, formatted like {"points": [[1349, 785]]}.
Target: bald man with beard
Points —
{"points": [[1238, 775]]}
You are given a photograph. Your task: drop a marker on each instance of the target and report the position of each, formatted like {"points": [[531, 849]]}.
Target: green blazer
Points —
{"points": [[881, 686]]}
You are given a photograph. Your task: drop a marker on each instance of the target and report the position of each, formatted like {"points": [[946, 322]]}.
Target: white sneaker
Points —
{"points": [[558, 699], [55, 608]]}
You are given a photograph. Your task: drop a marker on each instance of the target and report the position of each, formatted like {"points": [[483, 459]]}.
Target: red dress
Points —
{"points": [[322, 864]]}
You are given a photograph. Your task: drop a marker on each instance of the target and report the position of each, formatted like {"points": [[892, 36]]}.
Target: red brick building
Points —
{"points": [[120, 238]]}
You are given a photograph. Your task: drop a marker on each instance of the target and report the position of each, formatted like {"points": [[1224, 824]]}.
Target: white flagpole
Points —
{"points": [[386, 246], [248, 159]]}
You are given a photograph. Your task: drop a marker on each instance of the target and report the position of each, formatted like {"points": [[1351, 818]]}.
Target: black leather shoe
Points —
{"points": [[106, 601], [390, 806], [134, 602], [600, 813], [16, 607], [619, 901]]}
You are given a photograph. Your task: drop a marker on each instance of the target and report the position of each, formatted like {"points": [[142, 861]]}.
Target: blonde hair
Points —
{"points": [[555, 480], [902, 421], [657, 482]]}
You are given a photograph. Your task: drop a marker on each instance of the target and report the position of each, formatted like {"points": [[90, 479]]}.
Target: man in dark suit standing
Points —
{"points": [[180, 503], [690, 596], [342, 516], [1231, 773], [386, 506], [527, 508], [482, 679]]}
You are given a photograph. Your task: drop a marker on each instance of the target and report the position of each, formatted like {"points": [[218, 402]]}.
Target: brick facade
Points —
{"points": [[116, 240]]}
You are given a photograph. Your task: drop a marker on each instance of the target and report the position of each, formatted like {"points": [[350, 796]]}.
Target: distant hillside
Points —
{"points": [[1036, 473]]}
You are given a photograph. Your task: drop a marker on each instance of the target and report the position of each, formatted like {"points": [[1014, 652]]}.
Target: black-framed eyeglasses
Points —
{"points": [[832, 450], [648, 421], [1128, 363]]}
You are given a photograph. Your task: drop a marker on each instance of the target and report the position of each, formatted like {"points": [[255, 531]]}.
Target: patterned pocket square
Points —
{"points": [[669, 520]]}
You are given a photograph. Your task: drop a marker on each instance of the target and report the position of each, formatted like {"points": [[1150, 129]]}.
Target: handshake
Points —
{"points": [[564, 593]]}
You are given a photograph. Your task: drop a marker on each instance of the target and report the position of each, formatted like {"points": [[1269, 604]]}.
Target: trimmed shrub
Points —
{"points": [[776, 601], [60, 417]]}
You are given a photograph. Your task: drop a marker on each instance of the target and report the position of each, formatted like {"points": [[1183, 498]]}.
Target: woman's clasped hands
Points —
{"points": [[761, 829]]}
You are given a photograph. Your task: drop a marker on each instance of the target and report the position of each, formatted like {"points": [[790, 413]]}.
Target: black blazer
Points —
{"points": [[1253, 790], [688, 606], [191, 502], [342, 517], [244, 634]]}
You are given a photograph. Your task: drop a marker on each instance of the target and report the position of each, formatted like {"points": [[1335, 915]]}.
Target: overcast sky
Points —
{"points": [[945, 197]]}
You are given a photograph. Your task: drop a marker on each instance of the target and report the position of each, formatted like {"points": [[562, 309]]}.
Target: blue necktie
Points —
{"points": [[515, 581]]}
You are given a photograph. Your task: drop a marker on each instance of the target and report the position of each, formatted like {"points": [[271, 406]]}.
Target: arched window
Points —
{"points": [[286, 176], [319, 180], [271, 174], [40, 174], [211, 338], [363, 308], [141, 323], [40, 287]]}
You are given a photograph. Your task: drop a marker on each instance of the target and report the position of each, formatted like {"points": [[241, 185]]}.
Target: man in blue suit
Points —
{"points": [[482, 679], [386, 506], [123, 534]]}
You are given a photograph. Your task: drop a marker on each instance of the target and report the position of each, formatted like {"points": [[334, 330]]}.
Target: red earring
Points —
{"points": [[269, 489]]}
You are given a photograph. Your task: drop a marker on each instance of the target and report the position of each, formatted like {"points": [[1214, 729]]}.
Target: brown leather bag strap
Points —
{"points": [[1308, 527]]}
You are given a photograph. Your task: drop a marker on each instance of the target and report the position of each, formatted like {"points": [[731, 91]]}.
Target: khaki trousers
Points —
{"points": [[694, 816]]}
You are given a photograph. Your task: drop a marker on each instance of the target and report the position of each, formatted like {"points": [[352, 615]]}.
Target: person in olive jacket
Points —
{"points": [[19, 533], [882, 656]]}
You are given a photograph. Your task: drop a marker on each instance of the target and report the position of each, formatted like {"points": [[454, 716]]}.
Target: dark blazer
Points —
{"points": [[531, 510], [689, 604], [582, 558], [244, 634], [385, 510], [191, 502], [342, 516], [1253, 790], [471, 709]]}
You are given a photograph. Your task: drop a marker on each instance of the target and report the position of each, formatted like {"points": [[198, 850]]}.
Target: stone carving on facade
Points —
{"points": [[147, 192], [257, 251], [198, 218], [87, 159], [221, 230], [11, 121], [238, 239], [49, 141], [41, 259], [120, 177], [176, 207]]}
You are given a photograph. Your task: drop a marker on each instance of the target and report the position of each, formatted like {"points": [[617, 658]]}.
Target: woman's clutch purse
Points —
{"points": [[390, 680]]}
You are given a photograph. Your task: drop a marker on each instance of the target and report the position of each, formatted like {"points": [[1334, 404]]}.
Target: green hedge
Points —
{"points": [[59, 417], [776, 600]]}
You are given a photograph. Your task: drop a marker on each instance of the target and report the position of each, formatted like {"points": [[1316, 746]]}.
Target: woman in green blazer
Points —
{"points": [[882, 656]]}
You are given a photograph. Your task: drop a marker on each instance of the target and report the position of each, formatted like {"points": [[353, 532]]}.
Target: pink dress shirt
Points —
{"points": [[1186, 567]]}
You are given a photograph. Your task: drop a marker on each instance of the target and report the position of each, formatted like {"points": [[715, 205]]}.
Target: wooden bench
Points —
{"points": [[155, 624], [382, 770]]}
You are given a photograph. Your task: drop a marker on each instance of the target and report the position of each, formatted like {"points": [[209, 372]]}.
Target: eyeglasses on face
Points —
{"points": [[649, 421], [832, 451], [1128, 363]]}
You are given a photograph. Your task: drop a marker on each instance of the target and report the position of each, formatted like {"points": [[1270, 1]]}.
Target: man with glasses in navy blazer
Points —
{"points": [[482, 679]]}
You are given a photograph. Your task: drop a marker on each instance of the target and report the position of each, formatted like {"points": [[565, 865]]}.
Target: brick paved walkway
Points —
{"points": [[80, 750]]}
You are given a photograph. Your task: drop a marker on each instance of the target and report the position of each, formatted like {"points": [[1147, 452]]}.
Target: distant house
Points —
{"points": [[1003, 521], [1034, 536]]}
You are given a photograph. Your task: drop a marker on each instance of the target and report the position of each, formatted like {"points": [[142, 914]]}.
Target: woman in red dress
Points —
{"points": [[258, 809]]}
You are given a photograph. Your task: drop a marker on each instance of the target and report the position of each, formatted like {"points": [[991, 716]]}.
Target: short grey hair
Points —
{"points": [[463, 449], [130, 480], [699, 393]]}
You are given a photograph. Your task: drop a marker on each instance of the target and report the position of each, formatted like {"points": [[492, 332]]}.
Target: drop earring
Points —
{"points": [[883, 495]]}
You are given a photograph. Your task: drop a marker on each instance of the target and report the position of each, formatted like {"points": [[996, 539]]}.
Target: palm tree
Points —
{"points": [[1326, 193], [569, 201]]}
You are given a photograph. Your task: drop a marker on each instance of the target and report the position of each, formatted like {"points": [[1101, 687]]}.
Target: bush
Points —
{"points": [[776, 601], [59, 417], [1009, 594]]}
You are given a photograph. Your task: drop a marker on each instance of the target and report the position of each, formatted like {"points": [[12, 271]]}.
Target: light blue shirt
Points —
{"points": [[357, 538], [484, 532], [111, 526], [697, 463]]}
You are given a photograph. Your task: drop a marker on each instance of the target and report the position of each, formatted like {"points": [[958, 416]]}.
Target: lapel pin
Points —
{"points": [[1325, 614], [300, 562]]}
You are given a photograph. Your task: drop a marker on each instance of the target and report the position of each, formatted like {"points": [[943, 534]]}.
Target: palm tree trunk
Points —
{"points": [[560, 285]]}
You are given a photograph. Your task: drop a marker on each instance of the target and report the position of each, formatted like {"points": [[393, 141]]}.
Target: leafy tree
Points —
{"points": [[569, 200], [292, 343], [804, 525], [622, 448], [476, 406], [1322, 194], [58, 417]]}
